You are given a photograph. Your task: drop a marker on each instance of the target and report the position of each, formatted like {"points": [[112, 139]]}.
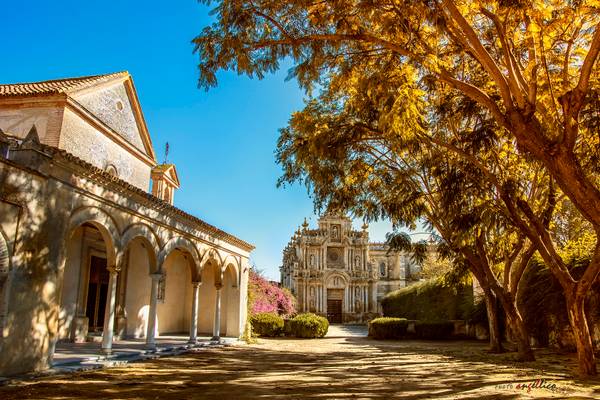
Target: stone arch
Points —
{"points": [[212, 277], [336, 281], [148, 236], [105, 224], [141, 248], [230, 302], [232, 262], [213, 258], [83, 261], [181, 243]]}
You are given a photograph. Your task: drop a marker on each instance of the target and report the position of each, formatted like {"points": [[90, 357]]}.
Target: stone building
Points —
{"points": [[87, 248], [336, 272]]}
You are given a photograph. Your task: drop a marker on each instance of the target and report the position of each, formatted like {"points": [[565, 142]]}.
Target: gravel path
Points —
{"points": [[344, 365]]}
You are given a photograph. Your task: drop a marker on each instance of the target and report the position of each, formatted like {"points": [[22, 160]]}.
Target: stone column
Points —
{"points": [[194, 320], [151, 331], [373, 297], [109, 312], [217, 326]]}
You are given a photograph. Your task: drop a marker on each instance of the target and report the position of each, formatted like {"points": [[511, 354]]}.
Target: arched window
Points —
{"points": [[382, 269], [112, 170]]}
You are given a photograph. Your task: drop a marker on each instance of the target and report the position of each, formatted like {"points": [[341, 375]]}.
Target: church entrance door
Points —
{"points": [[97, 291], [334, 305]]}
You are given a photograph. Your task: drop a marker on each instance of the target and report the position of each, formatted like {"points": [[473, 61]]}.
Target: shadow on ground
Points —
{"points": [[336, 367]]}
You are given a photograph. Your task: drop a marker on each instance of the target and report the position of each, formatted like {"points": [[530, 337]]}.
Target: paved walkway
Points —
{"points": [[73, 353], [344, 365]]}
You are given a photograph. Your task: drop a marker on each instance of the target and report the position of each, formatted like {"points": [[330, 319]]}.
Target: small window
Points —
{"points": [[112, 171], [119, 105], [382, 269]]}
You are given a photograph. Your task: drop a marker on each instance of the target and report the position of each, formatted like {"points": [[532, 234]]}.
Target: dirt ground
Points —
{"points": [[343, 365]]}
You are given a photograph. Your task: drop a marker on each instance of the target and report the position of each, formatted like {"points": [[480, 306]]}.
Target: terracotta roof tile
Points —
{"points": [[55, 86]]}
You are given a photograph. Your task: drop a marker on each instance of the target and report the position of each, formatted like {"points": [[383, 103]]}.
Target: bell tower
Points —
{"points": [[165, 182]]}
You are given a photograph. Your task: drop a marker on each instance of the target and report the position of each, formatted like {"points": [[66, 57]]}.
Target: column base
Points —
{"points": [[216, 339], [150, 346], [193, 341], [107, 352]]}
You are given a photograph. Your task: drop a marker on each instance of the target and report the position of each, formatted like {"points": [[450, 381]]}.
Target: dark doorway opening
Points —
{"points": [[334, 305], [97, 290]]}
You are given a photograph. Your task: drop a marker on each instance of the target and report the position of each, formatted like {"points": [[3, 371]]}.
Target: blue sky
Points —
{"points": [[222, 141]]}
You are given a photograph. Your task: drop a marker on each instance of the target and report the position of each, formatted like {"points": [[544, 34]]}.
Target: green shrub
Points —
{"points": [[431, 300], [267, 324], [388, 328], [434, 330], [308, 326]]}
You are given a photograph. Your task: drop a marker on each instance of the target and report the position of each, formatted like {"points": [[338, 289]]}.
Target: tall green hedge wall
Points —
{"points": [[430, 301]]}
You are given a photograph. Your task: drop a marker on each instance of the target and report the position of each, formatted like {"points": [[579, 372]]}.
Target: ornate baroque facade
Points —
{"points": [[336, 272], [91, 245]]}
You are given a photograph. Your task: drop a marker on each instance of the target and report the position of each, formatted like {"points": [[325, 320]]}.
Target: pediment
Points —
{"points": [[114, 102]]}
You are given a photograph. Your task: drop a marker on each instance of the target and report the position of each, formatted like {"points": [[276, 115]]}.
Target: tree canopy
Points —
{"points": [[484, 114]]}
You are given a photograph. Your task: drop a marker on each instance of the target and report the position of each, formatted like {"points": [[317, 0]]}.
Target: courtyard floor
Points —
{"points": [[344, 365]]}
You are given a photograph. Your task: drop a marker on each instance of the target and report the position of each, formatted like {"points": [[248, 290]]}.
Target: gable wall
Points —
{"points": [[103, 104], [83, 140]]}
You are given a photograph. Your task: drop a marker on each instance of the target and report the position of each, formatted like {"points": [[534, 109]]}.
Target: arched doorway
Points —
{"points": [[90, 249], [134, 287], [230, 303], [175, 293], [336, 296], [211, 278]]}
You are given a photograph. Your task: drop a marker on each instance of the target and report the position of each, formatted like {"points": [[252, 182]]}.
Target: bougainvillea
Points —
{"points": [[264, 296]]}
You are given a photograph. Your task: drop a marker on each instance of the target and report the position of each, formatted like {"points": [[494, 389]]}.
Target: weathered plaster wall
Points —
{"points": [[137, 291], [86, 142], [33, 291], [70, 286], [206, 301], [17, 121], [174, 313], [104, 104]]}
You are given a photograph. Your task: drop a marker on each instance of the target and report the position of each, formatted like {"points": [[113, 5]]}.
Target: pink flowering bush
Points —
{"points": [[267, 297]]}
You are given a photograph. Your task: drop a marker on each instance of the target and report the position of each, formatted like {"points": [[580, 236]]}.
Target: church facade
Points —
{"points": [[337, 272], [92, 247]]}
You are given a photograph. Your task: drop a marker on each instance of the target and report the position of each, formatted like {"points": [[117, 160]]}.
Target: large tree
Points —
{"points": [[529, 65], [345, 146]]}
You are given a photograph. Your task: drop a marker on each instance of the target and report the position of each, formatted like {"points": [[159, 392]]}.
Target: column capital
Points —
{"points": [[196, 283], [113, 269], [156, 276], [218, 286]]}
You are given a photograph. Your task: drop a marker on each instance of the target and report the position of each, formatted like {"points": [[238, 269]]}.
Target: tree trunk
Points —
{"points": [[515, 321], [492, 309], [581, 332]]}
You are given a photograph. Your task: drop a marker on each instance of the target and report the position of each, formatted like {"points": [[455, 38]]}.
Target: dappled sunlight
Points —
{"points": [[335, 367]]}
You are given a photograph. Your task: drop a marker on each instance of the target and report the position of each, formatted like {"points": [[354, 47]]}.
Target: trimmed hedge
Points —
{"points": [[307, 325], [267, 324], [430, 300], [434, 330], [388, 328]]}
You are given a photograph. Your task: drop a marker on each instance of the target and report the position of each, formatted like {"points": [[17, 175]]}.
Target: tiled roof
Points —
{"points": [[55, 86]]}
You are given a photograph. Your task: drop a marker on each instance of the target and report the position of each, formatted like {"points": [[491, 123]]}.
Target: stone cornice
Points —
{"points": [[102, 177]]}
